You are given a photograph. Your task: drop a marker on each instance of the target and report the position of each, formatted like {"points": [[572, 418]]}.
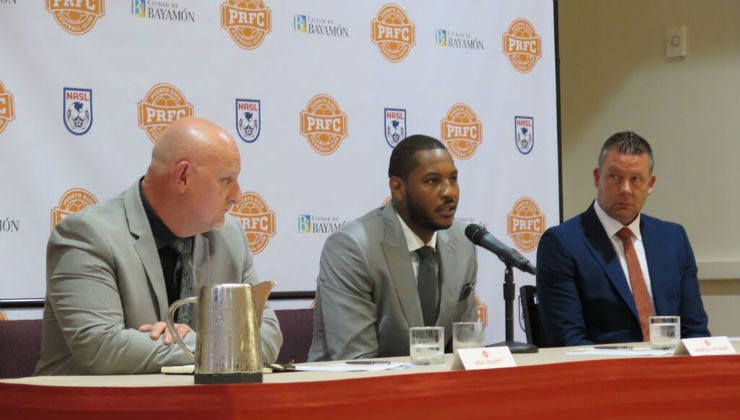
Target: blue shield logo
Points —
{"points": [[395, 125], [524, 134], [77, 110], [248, 119]]}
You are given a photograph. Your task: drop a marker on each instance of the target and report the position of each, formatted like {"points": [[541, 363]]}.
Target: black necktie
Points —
{"points": [[426, 280], [184, 274]]}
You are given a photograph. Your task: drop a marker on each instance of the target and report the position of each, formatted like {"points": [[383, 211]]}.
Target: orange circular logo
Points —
{"points": [[258, 221], [7, 107], [522, 45], [393, 32], [76, 16], [163, 104], [525, 224], [462, 131], [247, 21], [324, 124], [72, 201]]}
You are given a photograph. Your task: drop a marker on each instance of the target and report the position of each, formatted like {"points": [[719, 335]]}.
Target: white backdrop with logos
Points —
{"points": [[316, 93]]}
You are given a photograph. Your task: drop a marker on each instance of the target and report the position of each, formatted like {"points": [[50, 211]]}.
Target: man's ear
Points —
{"points": [[398, 189], [182, 175]]}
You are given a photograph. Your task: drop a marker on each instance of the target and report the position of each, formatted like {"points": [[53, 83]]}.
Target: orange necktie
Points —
{"points": [[639, 290]]}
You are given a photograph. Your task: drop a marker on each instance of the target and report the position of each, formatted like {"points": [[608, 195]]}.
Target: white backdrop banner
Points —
{"points": [[316, 93]]}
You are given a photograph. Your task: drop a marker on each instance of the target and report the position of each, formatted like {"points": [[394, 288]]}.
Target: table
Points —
{"points": [[550, 384]]}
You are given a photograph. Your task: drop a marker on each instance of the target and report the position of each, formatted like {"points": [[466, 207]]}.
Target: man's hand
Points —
{"points": [[157, 329]]}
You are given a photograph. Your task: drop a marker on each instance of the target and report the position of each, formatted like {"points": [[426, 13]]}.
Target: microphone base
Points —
{"points": [[517, 347]]}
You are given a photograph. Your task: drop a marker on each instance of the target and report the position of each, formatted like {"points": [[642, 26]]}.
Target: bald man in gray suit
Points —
{"points": [[110, 267], [372, 274]]}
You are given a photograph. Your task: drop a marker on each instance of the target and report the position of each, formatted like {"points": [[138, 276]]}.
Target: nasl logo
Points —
{"points": [[395, 125], [258, 221], [462, 131], [524, 134], [248, 119], [323, 124], [247, 22], [393, 32], [76, 16], [163, 104], [72, 201], [299, 23], [525, 224], [77, 110], [522, 45], [7, 107]]}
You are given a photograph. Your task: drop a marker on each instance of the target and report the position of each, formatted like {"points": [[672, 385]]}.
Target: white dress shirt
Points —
{"points": [[611, 227]]}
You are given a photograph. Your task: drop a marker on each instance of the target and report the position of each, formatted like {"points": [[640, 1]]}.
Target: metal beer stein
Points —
{"points": [[228, 348]]}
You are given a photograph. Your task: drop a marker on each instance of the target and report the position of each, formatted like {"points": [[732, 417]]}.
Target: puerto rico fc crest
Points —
{"points": [[77, 110], [395, 125], [248, 119], [524, 134]]}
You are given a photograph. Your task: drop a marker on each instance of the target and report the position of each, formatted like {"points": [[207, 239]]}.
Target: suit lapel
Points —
{"points": [[655, 259], [201, 276], [139, 227], [400, 269], [448, 271], [603, 250]]}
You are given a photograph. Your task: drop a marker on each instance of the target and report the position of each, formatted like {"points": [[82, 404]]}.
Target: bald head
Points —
{"points": [[192, 179]]}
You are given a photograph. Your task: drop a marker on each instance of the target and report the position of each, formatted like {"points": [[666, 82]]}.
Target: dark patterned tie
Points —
{"points": [[426, 281], [184, 269], [637, 282]]}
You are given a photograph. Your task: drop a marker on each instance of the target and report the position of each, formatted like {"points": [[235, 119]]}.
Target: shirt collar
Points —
{"points": [[413, 241], [163, 236], [612, 226]]}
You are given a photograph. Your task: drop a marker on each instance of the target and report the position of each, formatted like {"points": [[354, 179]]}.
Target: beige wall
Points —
{"points": [[614, 76]]}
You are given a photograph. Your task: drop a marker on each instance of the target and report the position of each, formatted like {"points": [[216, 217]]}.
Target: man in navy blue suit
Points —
{"points": [[603, 273]]}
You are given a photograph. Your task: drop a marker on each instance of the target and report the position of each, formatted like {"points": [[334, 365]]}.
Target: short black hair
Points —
{"points": [[626, 142], [403, 160]]}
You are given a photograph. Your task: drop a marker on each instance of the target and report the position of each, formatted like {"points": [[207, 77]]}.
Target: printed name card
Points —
{"points": [[483, 358], [705, 346]]}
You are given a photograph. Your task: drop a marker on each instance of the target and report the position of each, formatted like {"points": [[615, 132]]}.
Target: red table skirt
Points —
{"points": [[656, 388]]}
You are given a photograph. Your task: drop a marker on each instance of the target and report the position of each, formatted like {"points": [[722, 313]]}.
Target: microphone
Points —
{"points": [[480, 236]]}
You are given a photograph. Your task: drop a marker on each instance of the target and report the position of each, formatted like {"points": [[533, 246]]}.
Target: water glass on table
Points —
{"points": [[467, 335], [665, 332], [427, 345]]}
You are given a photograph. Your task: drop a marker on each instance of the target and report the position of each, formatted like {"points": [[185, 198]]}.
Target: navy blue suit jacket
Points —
{"points": [[584, 294]]}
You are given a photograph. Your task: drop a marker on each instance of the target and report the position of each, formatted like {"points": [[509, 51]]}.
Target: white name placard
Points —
{"points": [[705, 346], [483, 358]]}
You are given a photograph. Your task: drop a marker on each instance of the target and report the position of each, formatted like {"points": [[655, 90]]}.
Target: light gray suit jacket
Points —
{"points": [[104, 279], [367, 296]]}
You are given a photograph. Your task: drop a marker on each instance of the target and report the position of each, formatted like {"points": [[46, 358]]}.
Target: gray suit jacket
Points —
{"points": [[367, 297], [104, 280]]}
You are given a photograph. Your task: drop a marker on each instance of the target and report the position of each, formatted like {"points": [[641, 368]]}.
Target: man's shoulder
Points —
{"points": [[108, 213], [660, 225]]}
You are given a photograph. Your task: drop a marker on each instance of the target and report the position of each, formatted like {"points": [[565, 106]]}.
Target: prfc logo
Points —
{"points": [[299, 23], [138, 8], [163, 104], [304, 223], [323, 124], [76, 16], [7, 107], [441, 37], [462, 131], [482, 311], [77, 110], [248, 119], [524, 134], [522, 45], [525, 224], [247, 21], [258, 221], [72, 201], [395, 125], [393, 32]]}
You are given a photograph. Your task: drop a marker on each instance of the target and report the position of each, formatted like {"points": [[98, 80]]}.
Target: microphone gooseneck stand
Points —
{"points": [[509, 293]]}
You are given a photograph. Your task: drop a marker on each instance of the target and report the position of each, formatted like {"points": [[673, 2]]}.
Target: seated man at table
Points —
{"points": [[603, 273], [407, 264], [113, 269]]}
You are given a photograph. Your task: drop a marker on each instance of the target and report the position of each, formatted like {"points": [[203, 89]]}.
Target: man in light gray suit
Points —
{"points": [[404, 265], [112, 271]]}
